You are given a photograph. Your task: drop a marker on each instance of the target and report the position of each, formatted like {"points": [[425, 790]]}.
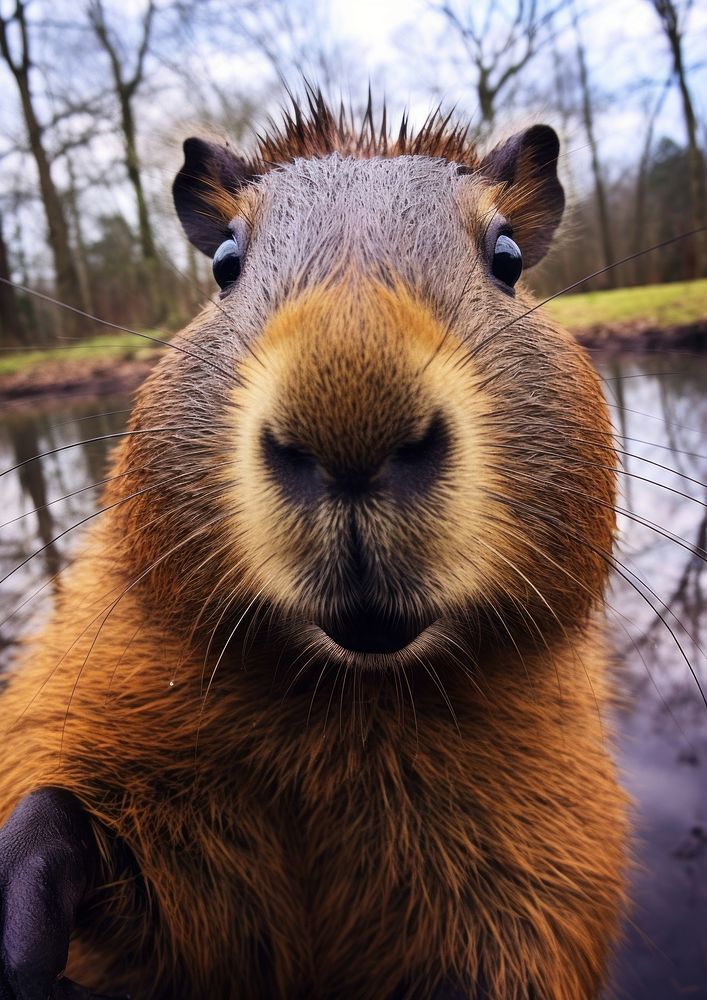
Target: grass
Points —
{"points": [[104, 347], [675, 304]]}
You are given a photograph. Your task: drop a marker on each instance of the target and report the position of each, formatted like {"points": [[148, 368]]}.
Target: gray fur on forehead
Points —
{"points": [[374, 216]]}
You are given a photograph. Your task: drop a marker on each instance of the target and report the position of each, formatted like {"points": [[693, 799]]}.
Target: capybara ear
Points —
{"points": [[533, 199], [204, 192]]}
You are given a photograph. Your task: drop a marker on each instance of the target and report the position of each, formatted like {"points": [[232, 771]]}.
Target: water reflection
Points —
{"points": [[657, 601], [43, 500], [660, 411], [658, 597]]}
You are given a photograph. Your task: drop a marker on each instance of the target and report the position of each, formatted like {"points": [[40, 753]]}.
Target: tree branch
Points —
{"points": [[147, 24], [96, 16], [5, 48], [22, 21]]}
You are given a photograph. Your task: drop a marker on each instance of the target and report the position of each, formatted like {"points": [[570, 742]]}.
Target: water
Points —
{"points": [[36, 490], [660, 412]]}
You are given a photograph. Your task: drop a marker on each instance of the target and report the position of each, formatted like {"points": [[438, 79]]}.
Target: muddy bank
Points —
{"points": [[75, 378], [638, 337], [111, 376]]}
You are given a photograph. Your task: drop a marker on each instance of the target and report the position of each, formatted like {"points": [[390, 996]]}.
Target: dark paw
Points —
{"points": [[46, 858]]}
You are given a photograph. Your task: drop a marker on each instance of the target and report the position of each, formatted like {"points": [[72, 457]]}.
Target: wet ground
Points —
{"points": [[657, 619]]}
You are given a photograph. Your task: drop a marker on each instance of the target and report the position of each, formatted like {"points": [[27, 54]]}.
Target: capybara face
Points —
{"points": [[397, 457]]}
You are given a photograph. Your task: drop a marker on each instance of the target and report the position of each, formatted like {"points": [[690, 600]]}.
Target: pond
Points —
{"points": [[656, 616]]}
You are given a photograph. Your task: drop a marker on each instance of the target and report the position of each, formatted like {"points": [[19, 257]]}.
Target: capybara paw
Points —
{"points": [[46, 853]]}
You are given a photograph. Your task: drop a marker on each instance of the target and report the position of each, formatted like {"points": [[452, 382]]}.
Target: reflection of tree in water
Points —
{"points": [[686, 603], [29, 555], [31, 474], [46, 499], [660, 725], [665, 533]]}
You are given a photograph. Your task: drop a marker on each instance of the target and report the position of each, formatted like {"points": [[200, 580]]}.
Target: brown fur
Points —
{"points": [[301, 827]]}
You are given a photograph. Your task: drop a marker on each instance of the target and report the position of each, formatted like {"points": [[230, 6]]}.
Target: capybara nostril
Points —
{"points": [[416, 465], [295, 470], [412, 467]]}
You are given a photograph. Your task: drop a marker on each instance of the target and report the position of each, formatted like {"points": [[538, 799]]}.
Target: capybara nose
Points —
{"points": [[371, 631], [404, 470]]}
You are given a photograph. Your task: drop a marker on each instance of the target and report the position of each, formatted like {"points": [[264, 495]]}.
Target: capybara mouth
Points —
{"points": [[367, 632]]}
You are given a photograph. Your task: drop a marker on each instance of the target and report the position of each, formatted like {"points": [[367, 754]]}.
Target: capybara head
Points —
{"points": [[373, 443]]}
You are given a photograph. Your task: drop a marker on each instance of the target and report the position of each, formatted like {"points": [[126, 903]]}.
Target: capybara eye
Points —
{"points": [[507, 261], [227, 264]]}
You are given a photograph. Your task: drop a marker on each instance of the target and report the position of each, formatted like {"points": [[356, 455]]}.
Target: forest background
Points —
{"points": [[97, 97]]}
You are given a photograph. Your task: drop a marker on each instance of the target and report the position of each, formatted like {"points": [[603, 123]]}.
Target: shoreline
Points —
{"points": [[637, 337], [75, 379], [109, 376]]}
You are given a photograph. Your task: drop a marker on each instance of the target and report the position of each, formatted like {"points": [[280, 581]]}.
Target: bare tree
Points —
{"points": [[126, 84], [21, 66], [10, 324], [296, 41], [498, 47], [642, 264], [674, 26], [297, 38], [72, 198], [605, 236]]}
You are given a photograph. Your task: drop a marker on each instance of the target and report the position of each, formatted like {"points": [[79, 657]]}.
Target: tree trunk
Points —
{"points": [[698, 184], [132, 164], [11, 328], [486, 99], [67, 280], [67, 283], [81, 265], [645, 269], [605, 237], [148, 249], [640, 217], [125, 89]]}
